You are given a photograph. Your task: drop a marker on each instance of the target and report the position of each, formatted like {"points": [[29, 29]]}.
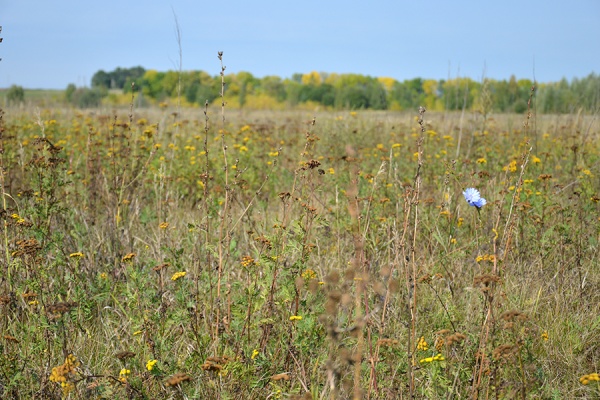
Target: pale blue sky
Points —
{"points": [[49, 44]]}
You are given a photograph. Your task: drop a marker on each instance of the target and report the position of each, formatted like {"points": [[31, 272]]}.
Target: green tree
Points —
{"points": [[352, 97], [69, 92], [152, 84], [408, 94], [87, 98], [15, 95], [120, 78], [376, 94], [273, 86], [101, 79]]}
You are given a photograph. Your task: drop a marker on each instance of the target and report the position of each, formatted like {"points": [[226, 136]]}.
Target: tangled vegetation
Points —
{"points": [[154, 253]]}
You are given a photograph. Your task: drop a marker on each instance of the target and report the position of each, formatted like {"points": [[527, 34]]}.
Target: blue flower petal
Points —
{"points": [[473, 197]]}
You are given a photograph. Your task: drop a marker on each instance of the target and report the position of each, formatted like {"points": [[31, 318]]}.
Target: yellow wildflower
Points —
{"points": [[309, 274], [422, 345], [64, 373], [437, 357], [247, 261], [128, 257], [150, 364], [586, 379], [178, 275], [123, 374], [254, 354], [512, 167]]}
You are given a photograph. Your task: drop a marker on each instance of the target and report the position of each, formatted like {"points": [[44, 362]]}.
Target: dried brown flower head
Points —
{"points": [[504, 351], [177, 379], [285, 376], [28, 247], [123, 355], [60, 307]]}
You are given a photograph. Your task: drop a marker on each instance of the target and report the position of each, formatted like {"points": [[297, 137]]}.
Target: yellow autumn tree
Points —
{"points": [[387, 83], [430, 88], [312, 78]]}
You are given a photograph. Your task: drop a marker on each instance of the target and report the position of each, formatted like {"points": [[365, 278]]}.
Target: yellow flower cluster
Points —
{"points": [[123, 375], [247, 261], [586, 379], [422, 345], [309, 274], [512, 167], [178, 275], [20, 220], [62, 373], [486, 257], [437, 357], [150, 364]]}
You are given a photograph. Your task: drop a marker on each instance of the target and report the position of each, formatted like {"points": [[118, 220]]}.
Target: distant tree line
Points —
{"points": [[348, 91]]}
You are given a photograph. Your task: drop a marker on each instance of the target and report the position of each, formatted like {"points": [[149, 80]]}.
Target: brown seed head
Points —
{"points": [[177, 379]]}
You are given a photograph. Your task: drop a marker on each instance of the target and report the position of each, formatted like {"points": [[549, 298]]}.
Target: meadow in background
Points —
{"points": [[214, 253]]}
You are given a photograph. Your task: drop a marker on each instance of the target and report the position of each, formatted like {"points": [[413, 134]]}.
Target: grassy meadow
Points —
{"points": [[230, 254]]}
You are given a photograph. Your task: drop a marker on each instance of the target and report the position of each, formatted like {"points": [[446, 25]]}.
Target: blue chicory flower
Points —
{"points": [[474, 198]]}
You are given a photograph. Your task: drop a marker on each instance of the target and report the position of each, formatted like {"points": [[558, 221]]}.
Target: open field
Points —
{"points": [[230, 254]]}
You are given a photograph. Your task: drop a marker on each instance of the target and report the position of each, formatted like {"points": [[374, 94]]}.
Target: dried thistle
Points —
{"points": [[285, 376], [387, 342], [160, 267], [123, 355], [485, 281], [60, 307], [177, 379], [28, 247], [504, 351]]}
